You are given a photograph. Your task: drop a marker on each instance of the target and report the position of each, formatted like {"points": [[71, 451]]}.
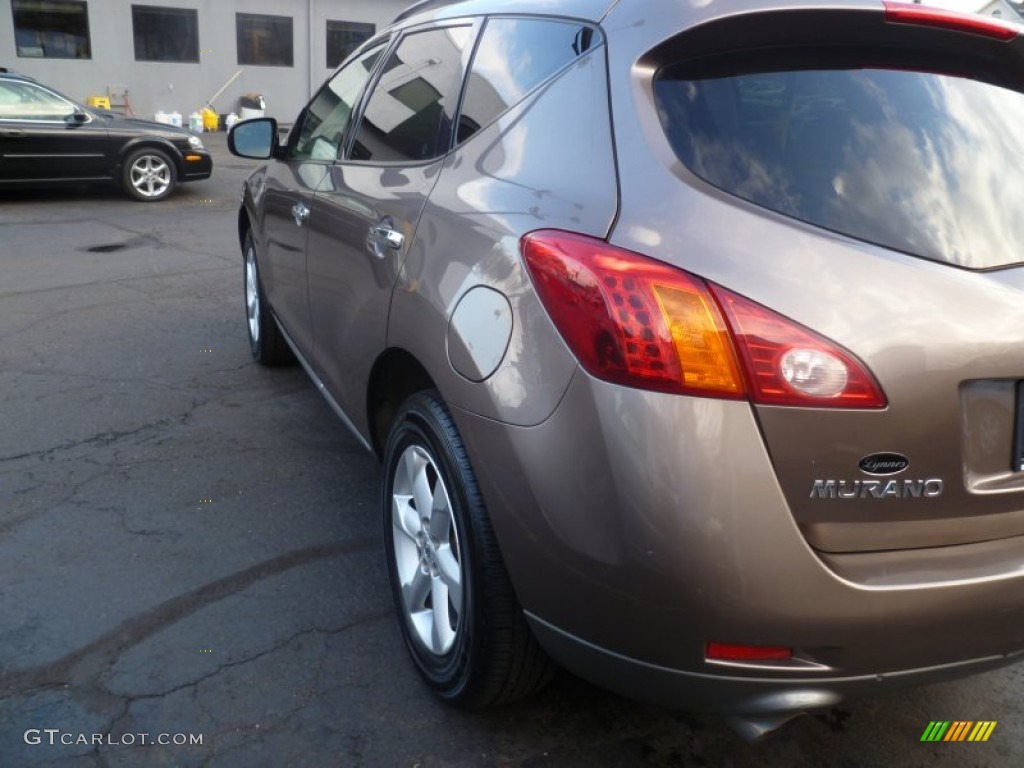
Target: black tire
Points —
{"points": [[488, 656], [149, 175], [266, 342]]}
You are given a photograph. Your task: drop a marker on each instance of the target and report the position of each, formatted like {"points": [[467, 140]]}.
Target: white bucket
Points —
{"points": [[162, 117], [248, 112], [232, 118], [175, 118], [195, 122]]}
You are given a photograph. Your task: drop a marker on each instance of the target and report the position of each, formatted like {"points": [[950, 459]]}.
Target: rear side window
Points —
{"points": [[514, 56], [917, 161], [410, 113]]}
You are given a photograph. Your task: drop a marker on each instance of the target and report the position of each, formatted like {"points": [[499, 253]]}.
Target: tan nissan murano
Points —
{"points": [[690, 336]]}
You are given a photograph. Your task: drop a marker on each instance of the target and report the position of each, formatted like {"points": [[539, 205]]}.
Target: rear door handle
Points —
{"points": [[300, 213], [385, 234], [13, 134]]}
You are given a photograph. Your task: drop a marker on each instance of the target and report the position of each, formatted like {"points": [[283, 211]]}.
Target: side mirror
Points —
{"points": [[255, 138], [76, 118]]}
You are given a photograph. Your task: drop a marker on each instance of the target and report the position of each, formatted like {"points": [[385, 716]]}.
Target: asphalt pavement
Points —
{"points": [[191, 566]]}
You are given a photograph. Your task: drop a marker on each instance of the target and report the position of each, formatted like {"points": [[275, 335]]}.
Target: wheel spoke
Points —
{"points": [[404, 510], [405, 518], [440, 514], [416, 591], [422, 493], [450, 572], [442, 634]]}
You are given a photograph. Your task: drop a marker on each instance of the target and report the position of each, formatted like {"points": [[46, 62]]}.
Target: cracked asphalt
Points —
{"points": [[190, 545]]}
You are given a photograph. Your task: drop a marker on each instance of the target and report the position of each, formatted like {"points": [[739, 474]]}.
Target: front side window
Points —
{"points": [[411, 109], [25, 101], [343, 37], [264, 40], [325, 120], [890, 152], [52, 30], [165, 34], [515, 56]]}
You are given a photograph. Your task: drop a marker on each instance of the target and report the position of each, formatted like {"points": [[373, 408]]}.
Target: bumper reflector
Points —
{"points": [[736, 652]]}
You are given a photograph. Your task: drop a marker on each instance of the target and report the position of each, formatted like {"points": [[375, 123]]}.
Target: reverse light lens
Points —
{"points": [[635, 321], [737, 652], [814, 372]]}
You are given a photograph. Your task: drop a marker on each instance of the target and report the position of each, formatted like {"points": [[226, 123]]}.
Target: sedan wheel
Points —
{"points": [[457, 610], [149, 175]]}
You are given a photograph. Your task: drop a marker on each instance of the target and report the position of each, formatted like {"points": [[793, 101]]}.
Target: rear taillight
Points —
{"points": [[635, 321], [927, 16]]}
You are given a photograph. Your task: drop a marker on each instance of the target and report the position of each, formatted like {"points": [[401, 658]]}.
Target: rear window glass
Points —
{"points": [[921, 162]]}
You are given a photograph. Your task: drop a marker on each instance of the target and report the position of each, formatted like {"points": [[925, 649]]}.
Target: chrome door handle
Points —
{"points": [[385, 234], [300, 213]]}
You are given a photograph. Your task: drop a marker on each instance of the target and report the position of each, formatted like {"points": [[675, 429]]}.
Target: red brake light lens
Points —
{"points": [[635, 321], [922, 15]]}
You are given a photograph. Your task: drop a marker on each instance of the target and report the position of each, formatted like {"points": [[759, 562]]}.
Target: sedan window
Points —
{"points": [[24, 101]]}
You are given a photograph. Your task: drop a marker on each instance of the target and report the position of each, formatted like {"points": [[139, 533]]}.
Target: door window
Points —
{"points": [[325, 120], [24, 101], [410, 112]]}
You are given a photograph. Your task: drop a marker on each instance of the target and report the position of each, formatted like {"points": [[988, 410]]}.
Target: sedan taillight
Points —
{"points": [[635, 321]]}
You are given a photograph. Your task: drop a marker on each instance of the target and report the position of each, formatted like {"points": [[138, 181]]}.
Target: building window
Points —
{"points": [[165, 34], [343, 37], [264, 40], [52, 29]]}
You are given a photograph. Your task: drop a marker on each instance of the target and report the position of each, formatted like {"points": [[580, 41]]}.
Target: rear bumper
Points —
{"points": [[728, 695], [637, 527]]}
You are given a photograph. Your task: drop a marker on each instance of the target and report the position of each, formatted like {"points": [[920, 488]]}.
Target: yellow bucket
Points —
{"points": [[210, 120], [100, 102]]}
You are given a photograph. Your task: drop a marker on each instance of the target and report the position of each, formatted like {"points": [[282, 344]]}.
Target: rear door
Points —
{"points": [[365, 212]]}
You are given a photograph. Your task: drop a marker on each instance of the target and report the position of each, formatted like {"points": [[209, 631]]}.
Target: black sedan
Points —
{"points": [[47, 139]]}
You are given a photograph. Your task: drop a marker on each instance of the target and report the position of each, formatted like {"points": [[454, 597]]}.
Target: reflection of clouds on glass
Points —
{"points": [[918, 162], [937, 180], [495, 62], [735, 167]]}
